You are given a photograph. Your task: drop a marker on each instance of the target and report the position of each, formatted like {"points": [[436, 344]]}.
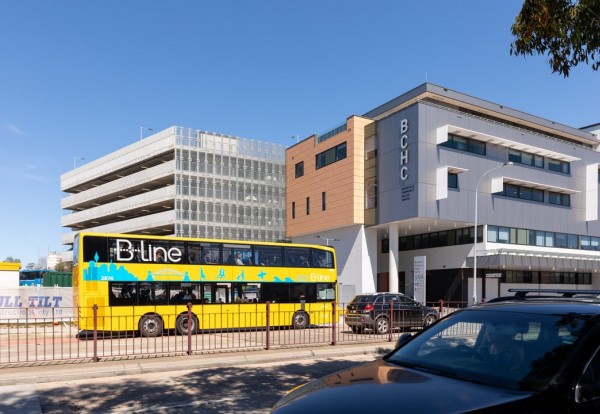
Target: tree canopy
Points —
{"points": [[10, 259], [62, 267], [567, 30]]}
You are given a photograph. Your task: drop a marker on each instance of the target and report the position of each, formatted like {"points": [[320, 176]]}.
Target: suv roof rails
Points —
{"points": [[565, 293], [556, 294]]}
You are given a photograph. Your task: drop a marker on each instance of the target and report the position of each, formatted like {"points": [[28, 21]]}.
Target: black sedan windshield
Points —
{"points": [[515, 350]]}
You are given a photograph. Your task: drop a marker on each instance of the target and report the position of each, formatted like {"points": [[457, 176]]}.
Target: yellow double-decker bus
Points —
{"points": [[146, 283]]}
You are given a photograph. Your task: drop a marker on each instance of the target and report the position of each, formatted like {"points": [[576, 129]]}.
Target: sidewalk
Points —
{"points": [[18, 391]]}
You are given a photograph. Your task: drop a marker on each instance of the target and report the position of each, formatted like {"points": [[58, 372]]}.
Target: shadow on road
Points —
{"points": [[252, 389]]}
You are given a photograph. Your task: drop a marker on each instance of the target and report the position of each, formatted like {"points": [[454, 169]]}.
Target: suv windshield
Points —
{"points": [[515, 350]]}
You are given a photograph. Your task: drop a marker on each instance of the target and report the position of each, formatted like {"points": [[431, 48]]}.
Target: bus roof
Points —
{"points": [[205, 240]]}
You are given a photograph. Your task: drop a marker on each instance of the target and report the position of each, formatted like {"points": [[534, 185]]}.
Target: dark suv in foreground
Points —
{"points": [[372, 311], [535, 352]]}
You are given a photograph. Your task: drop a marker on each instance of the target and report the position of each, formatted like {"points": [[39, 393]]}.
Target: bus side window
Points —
{"points": [[114, 289], [194, 253], [123, 294], [158, 294], [324, 259], [325, 291], [228, 256], [267, 255]]}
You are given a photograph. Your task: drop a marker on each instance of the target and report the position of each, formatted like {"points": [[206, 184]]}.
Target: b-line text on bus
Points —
{"points": [[126, 252]]}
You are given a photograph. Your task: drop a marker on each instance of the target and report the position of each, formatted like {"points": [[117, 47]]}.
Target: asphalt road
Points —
{"points": [[220, 383]]}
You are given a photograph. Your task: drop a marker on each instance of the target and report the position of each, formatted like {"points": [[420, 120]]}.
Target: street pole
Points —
{"points": [[142, 131], [475, 230], [327, 239], [75, 161]]}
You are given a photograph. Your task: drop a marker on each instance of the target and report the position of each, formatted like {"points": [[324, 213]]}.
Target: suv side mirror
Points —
{"points": [[587, 392]]}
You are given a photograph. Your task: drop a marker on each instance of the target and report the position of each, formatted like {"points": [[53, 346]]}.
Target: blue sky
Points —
{"points": [[79, 78]]}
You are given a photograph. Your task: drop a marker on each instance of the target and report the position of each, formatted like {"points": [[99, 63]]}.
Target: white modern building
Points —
{"points": [[181, 182], [52, 260], [400, 190]]}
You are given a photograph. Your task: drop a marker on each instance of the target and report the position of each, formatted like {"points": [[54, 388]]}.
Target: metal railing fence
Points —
{"points": [[57, 339]]}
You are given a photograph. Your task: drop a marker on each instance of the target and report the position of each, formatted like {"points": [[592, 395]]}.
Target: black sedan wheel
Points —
{"points": [[429, 319]]}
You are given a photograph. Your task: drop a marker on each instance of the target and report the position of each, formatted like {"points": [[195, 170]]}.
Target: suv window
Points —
{"points": [[408, 301], [363, 299], [591, 378], [388, 298]]}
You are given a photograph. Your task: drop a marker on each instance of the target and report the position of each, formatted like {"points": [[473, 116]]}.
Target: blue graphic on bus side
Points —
{"points": [[111, 272]]}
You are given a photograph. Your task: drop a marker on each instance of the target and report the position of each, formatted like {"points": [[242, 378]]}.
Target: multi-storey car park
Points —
{"points": [[181, 182]]}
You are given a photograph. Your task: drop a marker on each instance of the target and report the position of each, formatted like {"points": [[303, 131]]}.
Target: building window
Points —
{"points": [[370, 193], [524, 193], [465, 144], [293, 210], [526, 158], [332, 133], [496, 234], [308, 206], [539, 238], [370, 148], [300, 169], [559, 166], [440, 239], [323, 201], [586, 242], [330, 156], [559, 199], [385, 246], [572, 241], [533, 194], [452, 180], [476, 147], [537, 277]]}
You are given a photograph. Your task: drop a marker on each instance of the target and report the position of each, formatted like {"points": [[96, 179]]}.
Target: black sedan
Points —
{"points": [[540, 355]]}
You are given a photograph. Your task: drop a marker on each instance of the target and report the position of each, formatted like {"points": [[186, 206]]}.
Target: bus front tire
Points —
{"points": [[151, 326], [182, 325], [300, 320]]}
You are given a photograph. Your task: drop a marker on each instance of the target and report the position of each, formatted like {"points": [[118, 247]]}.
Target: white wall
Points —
{"points": [[41, 303], [356, 251], [9, 279]]}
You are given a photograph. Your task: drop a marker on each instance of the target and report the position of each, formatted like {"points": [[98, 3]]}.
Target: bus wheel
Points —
{"points": [[151, 326], [300, 320], [183, 325]]}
